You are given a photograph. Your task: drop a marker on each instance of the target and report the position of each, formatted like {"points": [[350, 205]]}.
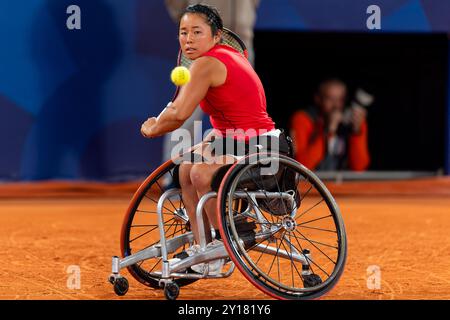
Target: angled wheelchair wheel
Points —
{"points": [[281, 227], [140, 226]]}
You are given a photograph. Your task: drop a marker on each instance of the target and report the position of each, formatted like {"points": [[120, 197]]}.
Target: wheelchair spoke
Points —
{"points": [[302, 214], [156, 202], [273, 222], [307, 192], [323, 244], [154, 228], [171, 225], [159, 261], [319, 229], [175, 230], [154, 212], [165, 231], [143, 225], [147, 232], [279, 243], [275, 256], [278, 262], [262, 252], [162, 190], [290, 257], [311, 260], [282, 201], [298, 180], [181, 197], [307, 259], [181, 230], [317, 219], [313, 241], [146, 211], [292, 271], [257, 206], [248, 195]]}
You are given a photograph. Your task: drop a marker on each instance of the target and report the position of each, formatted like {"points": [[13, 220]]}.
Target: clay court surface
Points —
{"points": [[402, 227]]}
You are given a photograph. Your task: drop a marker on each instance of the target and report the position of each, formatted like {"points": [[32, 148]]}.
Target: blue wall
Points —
{"points": [[72, 102], [350, 15]]}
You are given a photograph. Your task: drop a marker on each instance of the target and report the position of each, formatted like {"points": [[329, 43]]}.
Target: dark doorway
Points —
{"points": [[407, 74]]}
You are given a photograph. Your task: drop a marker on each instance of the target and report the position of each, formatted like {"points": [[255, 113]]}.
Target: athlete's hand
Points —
{"points": [[146, 127]]}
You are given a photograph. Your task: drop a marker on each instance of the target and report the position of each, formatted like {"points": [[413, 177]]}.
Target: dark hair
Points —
{"points": [[212, 15]]}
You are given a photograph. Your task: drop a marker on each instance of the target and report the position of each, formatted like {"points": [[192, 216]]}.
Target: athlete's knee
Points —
{"points": [[184, 174], [200, 177]]}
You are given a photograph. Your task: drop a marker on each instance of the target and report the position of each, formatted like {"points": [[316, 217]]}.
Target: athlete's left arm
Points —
{"points": [[203, 72]]}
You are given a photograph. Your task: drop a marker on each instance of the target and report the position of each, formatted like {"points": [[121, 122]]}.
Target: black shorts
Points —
{"points": [[264, 143]]}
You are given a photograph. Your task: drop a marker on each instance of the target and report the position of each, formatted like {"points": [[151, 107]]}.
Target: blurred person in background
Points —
{"points": [[328, 136], [240, 17]]}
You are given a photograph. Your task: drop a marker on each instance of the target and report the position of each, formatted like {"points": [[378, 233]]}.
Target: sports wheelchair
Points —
{"points": [[279, 225]]}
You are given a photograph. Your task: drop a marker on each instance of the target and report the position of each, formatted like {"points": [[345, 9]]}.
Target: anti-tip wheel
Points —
{"points": [[171, 291], [121, 286], [311, 280]]}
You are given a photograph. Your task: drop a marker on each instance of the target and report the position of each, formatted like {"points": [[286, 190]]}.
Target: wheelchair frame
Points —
{"points": [[169, 246], [165, 247]]}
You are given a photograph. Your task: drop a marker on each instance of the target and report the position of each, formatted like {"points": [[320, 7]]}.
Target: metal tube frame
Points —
{"points": [[167, 246]]}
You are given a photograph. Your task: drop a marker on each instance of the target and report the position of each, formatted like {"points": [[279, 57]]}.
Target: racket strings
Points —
{"points": [[228, 39]]}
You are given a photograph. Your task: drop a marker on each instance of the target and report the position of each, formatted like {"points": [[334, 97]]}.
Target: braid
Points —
{"points": [[211, 14]]}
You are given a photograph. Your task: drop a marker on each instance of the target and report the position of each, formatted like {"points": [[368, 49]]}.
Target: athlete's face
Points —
{"points": [[195, 36]]}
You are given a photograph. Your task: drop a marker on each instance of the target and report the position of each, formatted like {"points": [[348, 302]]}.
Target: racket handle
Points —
{"points": [[168, 105]]}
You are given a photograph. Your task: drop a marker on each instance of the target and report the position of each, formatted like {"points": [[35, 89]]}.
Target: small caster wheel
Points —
{"points": [[121, 286], [171, 291], [311, 280]]}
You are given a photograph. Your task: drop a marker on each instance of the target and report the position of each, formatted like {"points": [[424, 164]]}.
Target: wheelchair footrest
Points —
{"points": [[217, 252]]}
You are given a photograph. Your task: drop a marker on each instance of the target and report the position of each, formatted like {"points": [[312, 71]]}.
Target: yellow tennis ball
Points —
{"points": [[180, 76]]}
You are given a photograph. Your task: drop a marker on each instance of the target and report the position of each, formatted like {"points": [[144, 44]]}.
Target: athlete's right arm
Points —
{"points": [[203, 73]]}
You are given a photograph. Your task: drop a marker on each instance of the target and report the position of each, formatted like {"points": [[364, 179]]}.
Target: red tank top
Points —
{"points": [[240, 103]]}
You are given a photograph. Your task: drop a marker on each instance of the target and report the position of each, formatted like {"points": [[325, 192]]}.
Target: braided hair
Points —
{"points": [[212, 15]]}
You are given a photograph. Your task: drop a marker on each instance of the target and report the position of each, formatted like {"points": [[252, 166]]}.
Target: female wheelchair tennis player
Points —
{"points": [[238, 199]]}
